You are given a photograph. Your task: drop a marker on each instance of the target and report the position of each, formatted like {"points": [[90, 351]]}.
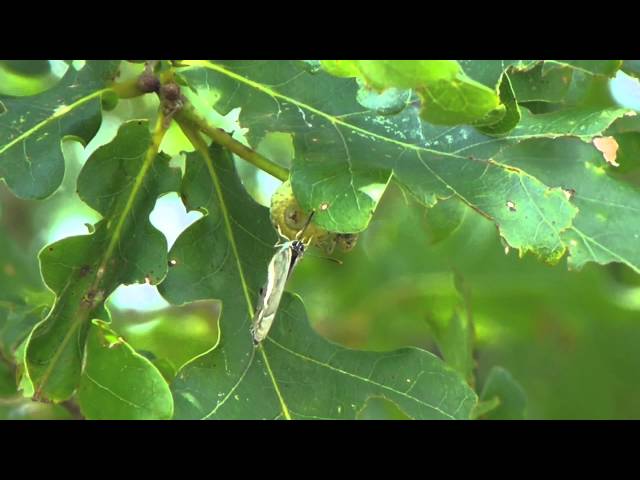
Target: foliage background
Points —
{"points": [[569, 338]]}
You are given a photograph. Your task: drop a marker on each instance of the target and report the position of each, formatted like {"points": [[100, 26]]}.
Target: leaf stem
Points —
{"points": [[218, 135]]}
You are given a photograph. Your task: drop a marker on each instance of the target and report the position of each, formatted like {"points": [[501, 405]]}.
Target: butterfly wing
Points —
{"points": [[272, 291]]}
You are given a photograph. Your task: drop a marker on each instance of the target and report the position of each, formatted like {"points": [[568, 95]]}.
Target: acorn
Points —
{"points": [[170, 92], [290, 218], [148, 82]]}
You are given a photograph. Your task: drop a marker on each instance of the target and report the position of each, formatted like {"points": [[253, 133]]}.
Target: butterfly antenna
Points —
{"points": [[306, 224]]}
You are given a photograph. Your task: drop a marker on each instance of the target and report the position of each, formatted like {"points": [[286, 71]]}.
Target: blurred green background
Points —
{"points": [[570, 339]]}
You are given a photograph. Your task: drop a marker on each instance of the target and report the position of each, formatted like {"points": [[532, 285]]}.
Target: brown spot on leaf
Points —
{"points": [[609, 148], [85, 270], [9, 270]]}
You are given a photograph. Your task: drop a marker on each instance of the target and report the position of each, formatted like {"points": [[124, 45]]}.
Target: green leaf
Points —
{"points": [[225, 255], [31, 132], [122, 181], [359, 187], [341, 68], [555, 85], [460, 101], [490, 72], [588, 90], [432, 163], [606, 228], [383, 74], [594, 67], [512, 398], [536, 85], [119, 384], [512, 113], [449, 97], [581, 122]]}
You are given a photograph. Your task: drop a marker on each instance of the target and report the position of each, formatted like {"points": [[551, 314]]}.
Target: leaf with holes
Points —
{"points": [[225, 255], [344, 153], [606, 228], [122, 181], [31, 131]]}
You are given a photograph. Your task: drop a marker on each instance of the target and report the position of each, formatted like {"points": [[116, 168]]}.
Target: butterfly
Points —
{"points": [[280, 267]]}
